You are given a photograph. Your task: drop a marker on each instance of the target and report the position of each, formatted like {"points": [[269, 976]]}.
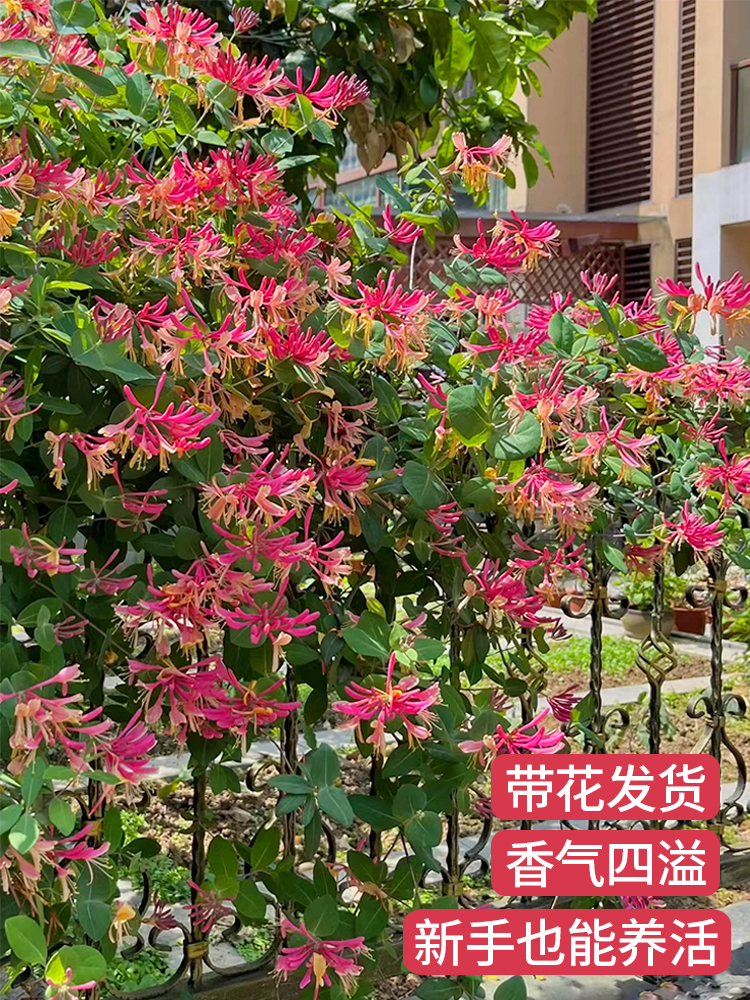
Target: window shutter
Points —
{"points": [[683, 261], [686, 97], [637, 277], [620, 103]]}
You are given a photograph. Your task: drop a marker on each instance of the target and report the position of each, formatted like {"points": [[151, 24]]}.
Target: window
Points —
{"points": [[686, 97], [740, 123], [620, 100]]}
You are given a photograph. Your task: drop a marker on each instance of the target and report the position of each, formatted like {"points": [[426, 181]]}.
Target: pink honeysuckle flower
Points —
{"points": [[41, 720], [38, 555], [126, 753], [8, 488], [267, 492], [491, 307], [506, 349], [694, 530], [552, 496], [208, 907], [13, 403], [69, 628], [170, 433], [483, 806], [95, 450], [67, 990], [104, 580], [254, 77], [504, 593], [562, 704], [500, 251], [402, 703], [643, 558], [537, 241], [539, 316], [189, 691], [400, 232], [556, 409], [162, 917], [336, 94], [318, 956], [528, 738], [250, 707], [345, 484], [274, 621], [306, 348], [705, 430], [725, 381], [728, 300], [565, 560], [477, 163], [641, 902], [632, 451], [344, 435], [599, 284], [201, 250], [245, 19], [732, 476], [183, 31]]}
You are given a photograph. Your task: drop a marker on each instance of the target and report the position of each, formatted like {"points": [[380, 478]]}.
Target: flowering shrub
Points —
{"points": [[249, 473]]}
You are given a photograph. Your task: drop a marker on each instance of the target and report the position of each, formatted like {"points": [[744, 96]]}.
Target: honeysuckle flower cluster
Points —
{"points": [[257, 467]]}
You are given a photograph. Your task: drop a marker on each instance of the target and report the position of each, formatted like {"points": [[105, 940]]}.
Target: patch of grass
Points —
{"points": [[572, 656], [147, 968], [255, 942]]}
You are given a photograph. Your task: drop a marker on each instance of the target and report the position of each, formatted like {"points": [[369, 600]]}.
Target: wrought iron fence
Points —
{"points": [[655, 657]]}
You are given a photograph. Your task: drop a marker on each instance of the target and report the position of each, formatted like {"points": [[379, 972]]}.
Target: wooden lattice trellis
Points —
{"points": [[560, 273]]}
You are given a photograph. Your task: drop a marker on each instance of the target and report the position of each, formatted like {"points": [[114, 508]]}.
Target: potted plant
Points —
{"points": [[639, 590]]}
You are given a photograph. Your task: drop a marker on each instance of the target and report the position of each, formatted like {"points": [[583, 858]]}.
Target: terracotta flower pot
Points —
{"points": [[637, 624], [692, 620]]}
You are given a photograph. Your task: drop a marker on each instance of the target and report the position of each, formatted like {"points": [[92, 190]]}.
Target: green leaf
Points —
{"points": [[424, 830], [26, 939], [97, 84], [72, 14], [324, 766], [86, 965], [334, 803], [293, 784], [530, 167], [109, 358], [138, 94], [409, 800], [278, 142], [24, 834], [468, 416], [371, 919], [606, 315], [20, 48], [369, 637], [372, 811], [406, 876], [526, 441], [614, 556], [452, 66], [222, 857], [10, 471], [429, 649], [389, 405], [512, 989], [439, 988], [491, 50], [344, 12], [642, 353], [9, 816], [183, 118], [93, 909], [562, 332], [322, 917], [423, 487], [265, 848], [250, 902], [62, 816]]}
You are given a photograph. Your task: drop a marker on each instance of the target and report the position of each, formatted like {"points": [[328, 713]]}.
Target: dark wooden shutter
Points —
{"points": [[637, 277], [683, 261], [686, 98], [620, 103]]}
